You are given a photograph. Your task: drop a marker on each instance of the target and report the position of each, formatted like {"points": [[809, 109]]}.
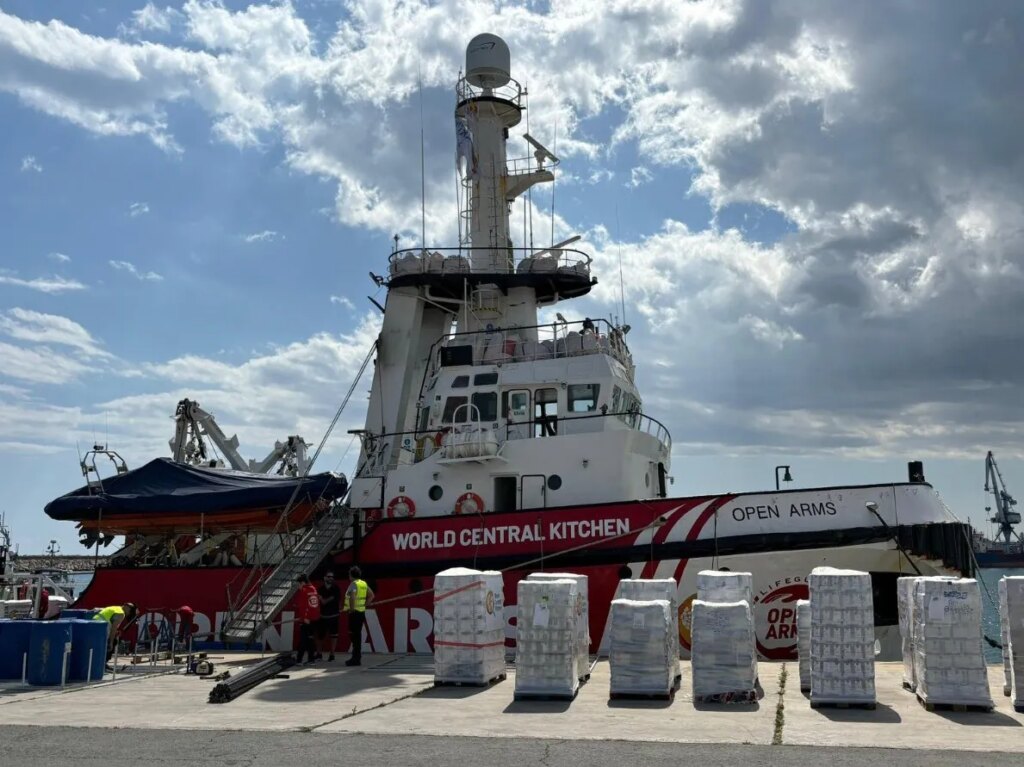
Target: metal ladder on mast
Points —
{"points": [[270, 595], [261, 598]]}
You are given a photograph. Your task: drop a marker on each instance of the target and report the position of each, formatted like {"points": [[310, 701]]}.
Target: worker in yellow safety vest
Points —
{"points": [[358, 597], [118, 618]]}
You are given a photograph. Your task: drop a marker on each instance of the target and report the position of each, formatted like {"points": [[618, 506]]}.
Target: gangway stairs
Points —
{"points": [[263, 598]]}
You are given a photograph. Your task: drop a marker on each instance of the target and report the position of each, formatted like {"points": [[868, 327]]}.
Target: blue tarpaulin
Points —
{"points": [[164, 486]]}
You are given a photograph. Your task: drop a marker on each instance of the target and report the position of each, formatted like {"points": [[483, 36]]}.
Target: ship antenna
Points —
{"points": [[423, 170], [618, 245], [554, 150]]}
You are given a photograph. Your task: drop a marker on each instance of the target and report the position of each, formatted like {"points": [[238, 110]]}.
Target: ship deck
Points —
{"points": [[394, 694]]}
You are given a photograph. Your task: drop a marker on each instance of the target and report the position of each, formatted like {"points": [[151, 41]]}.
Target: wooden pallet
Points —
{"points": [[727, 698], [492, 681], [958, 707], [843, 705], [643, 695], [524, 696]]}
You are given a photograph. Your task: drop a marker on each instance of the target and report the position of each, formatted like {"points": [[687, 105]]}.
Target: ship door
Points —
{"points": [[519, 421], [533, 491]]}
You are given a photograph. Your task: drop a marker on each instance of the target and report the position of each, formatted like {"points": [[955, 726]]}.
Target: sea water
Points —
{"points": [[989, 581]]}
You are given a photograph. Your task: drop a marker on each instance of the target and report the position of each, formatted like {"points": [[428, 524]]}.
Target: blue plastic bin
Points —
{"points": [[47, 640], [87, 635]]}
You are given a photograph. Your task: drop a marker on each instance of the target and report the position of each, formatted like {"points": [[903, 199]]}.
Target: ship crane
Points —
{"points": [[1004, 517], [194, 426]]}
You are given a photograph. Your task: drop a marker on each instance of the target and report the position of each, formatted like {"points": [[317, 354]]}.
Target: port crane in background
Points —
{"points": [[193, 426], [1005, 518]]}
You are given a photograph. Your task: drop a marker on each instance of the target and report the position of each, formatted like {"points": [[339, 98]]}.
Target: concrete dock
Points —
{"points": [[392, 695]]}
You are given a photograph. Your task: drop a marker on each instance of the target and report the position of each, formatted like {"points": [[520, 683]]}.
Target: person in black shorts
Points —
{"points": [[330, 615]]}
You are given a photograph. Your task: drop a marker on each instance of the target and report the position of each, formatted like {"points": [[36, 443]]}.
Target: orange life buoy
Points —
{"points": [[439, 437], [372, 518], [401, 506], [469, 503]]}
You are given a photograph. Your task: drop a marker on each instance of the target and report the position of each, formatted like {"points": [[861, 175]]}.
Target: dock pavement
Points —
{"points": [[393, 697]]}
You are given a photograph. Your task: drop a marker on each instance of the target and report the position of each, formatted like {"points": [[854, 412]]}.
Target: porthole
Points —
{"points": [[554, 482], [625, 573], [435, 492]]}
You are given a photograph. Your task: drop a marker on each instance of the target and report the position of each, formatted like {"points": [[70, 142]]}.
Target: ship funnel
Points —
{"points": [[488, 62]]}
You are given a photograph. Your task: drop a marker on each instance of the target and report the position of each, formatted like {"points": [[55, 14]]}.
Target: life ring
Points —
{"points": [[372, 518], [396, 510], [469, 503], [439, 437]]}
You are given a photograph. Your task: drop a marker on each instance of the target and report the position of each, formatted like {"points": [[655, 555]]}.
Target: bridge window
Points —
{"points": [[545, 412], [453, 404], [616, 399], [460, 382], [583, 397], [486, 402], [485, 379]]}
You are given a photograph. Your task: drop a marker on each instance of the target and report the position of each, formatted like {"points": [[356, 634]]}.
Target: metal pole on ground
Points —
{"points": [[88, 673], [64, 666], [24, 668]]}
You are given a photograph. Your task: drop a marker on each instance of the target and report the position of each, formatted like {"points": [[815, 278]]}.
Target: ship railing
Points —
{"points": [[511, 91], [587, 423], [565, 262], [554, 341], [521, 166], [415, 446]]}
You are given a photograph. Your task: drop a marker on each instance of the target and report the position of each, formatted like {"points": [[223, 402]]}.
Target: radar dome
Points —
{"points": [[487, 61]]}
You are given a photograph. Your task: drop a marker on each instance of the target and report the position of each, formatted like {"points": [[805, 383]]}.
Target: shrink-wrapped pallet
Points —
{"points": [[905, 605], [469, 627], [583, 616], [724, 586], [647, 589], [642, 658], [803, 642], [547, 662], [1004, 638], [842, 637], [723, 654], [1014, 588], [949, 662]]}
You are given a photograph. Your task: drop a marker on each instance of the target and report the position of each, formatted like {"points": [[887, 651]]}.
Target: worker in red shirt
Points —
{"points": [[308, 614], [186, 617]]}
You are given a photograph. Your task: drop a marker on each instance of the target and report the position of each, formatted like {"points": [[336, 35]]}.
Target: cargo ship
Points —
{"points": [[501, 436]]}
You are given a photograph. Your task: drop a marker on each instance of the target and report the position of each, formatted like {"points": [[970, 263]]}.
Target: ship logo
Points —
{"points": [[776, 617], [489, 602]]}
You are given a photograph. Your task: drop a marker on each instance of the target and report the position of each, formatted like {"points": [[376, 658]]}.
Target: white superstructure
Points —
{"points": [[474, 405]]}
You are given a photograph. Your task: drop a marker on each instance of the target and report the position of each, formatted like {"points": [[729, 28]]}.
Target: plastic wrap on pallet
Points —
{"points": [[803, 642], [583, 612], [642, 657], [842, 637], [547, 651], [1014, 589], [1004, 638], [723, 653], [469, 626], [949, 662], [905, 605], [725, 586], [648, 589]]}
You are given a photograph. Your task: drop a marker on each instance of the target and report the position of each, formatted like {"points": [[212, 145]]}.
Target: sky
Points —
{"points": [[818, 207]]}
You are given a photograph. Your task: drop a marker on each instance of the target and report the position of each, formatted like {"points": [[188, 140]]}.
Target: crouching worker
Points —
{"points": [[118, 618]]}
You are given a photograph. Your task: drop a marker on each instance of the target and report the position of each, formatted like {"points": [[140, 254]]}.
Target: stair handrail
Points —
{"points": [[244, 593]]}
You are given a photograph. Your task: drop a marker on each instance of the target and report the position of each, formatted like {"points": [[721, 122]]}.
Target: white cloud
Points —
{"points": [[639, 176], [60, 258], [30, 163], [904, 265], [128, 266], [52, 285], [342, 301], [138, 209], [40, 328], [267, 235], [151, 18], [39, 365]]}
